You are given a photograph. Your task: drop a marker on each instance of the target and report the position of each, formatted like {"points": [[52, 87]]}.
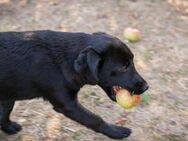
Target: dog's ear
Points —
{"points": [[88, 59]]}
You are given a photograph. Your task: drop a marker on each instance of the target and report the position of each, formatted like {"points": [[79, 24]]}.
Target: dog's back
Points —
{"points": [[24, 56], [20, 56]]}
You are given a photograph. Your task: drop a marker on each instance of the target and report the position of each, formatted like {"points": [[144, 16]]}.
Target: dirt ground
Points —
{"points": [[161, 57]]}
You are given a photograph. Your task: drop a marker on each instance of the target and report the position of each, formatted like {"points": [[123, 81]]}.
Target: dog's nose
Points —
{"points": [[145, 87], [141, 87]]}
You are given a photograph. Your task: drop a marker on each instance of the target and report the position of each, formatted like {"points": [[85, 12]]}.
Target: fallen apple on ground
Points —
{"points": [[132, 34], [126, 100]]}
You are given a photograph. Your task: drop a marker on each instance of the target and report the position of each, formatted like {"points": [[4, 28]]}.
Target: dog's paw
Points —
{"points": [[116, 132], [11, 127]]}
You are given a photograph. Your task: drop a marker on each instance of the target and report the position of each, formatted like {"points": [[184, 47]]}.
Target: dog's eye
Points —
{"points": [[124, 67], [117, 70]]}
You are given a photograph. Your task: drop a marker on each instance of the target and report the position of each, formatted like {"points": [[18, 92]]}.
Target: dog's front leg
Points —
{"points": [[69, 106], [6, 124]]}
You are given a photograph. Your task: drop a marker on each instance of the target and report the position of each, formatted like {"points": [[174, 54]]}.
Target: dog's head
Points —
{"points": [[108, 62]]}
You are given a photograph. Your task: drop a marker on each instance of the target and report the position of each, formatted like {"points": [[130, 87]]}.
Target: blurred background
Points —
{"points": [[161, 56]]}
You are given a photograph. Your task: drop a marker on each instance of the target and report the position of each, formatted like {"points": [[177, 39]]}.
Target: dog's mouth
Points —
{"points": [[112, 91], [116, 89]]}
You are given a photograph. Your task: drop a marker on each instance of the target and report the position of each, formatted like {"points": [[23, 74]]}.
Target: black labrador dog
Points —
{"points": [[55, 65]]}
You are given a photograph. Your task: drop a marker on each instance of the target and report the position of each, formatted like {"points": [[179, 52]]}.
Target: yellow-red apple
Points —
{"points": [[132, 34], [126, 100]]}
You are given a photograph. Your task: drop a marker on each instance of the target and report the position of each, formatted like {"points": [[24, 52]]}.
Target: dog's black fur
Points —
{"points": [[55, 65]]}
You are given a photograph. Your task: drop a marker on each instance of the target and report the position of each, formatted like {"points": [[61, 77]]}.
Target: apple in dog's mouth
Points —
{"points": [[124, 98]]}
